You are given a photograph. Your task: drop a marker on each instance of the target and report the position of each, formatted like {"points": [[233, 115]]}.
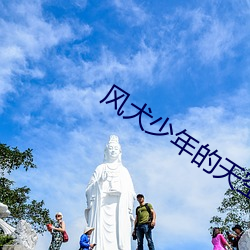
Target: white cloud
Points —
{"points": [[80, 3], [32, 33], [25, 35], [217, 42], [105, 69], [143, 63], [78, 102], [111, 69], [198, 20], [131, 12], [200, 33]]}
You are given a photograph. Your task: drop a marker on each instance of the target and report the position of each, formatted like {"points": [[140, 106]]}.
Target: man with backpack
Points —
{"points": [[144, 223]]}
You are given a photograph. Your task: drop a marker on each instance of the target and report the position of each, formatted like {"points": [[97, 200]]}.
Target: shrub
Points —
{"points": [[6, 240]]}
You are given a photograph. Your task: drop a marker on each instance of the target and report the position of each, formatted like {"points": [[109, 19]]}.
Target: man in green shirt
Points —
{"points": [[144, 223]]}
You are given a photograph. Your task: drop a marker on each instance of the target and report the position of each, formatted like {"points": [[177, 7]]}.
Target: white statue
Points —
{"points": [[25, 235], [4, 212], [110, 197], [244, 242]]}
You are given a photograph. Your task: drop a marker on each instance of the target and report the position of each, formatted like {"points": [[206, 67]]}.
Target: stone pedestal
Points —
{"points": [[13, 247]]}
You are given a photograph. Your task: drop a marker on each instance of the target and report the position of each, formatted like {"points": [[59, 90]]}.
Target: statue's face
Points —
{"points": [[113, 150]]}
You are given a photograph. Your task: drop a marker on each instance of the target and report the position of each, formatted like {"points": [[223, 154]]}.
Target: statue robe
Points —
{"points": [[244, 242], [110, 197]]}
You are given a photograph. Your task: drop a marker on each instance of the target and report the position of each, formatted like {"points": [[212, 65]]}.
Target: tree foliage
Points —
{"points": [[235, 207], [17, 199], [13, 158]]}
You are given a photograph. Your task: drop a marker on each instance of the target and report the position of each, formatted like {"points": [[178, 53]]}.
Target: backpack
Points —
{"points": [[149, 212]]}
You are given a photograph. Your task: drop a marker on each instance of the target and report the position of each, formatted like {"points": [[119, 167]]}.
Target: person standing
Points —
{"points": [[231, 240], [143, 225], [56, 231], [218, 240], [85, 239], [238, 230]]}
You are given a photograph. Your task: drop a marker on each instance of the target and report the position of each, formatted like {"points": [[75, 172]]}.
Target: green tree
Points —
{"points": [[17, 199], [235, 207]]}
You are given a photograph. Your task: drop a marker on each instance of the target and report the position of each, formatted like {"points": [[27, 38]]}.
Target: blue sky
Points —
{"points": [[188, 60]]}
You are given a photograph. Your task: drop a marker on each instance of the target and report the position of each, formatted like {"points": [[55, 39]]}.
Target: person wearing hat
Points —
{"points": [[56, 231], [84, 240], [239, 231]]}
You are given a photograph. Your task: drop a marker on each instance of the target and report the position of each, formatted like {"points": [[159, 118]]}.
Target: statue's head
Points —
{"points": [[113, 150], [4, 211]]}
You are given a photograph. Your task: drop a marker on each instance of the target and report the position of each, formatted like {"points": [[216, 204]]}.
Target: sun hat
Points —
{"points": [[87, 229], [59, 213]]}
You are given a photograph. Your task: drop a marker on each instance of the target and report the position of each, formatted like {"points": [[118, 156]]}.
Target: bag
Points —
{"points": [[134, 235], [49, 227], [65, 236]]}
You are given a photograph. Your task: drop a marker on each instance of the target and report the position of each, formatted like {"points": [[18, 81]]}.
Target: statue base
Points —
{"points": [[12, 247]]}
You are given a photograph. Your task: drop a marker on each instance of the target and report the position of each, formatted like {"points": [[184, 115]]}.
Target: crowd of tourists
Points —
{"points": [[144, 223]]}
